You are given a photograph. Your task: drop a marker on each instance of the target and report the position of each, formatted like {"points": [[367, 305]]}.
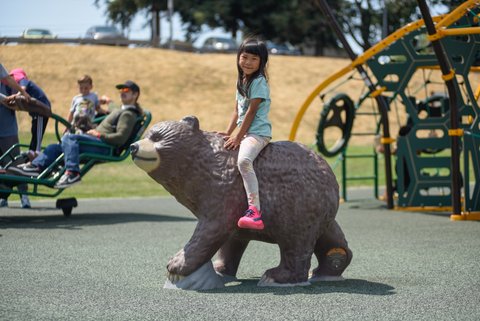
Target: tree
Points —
{"points": [[123, 12], [294, 21], [363, 19], [299, 22]]}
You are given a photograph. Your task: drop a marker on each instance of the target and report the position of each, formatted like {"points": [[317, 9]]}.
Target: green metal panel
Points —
{"points": [[393, 68]]}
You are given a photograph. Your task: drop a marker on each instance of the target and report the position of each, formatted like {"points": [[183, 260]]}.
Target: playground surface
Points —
{"points": [[107, 262]]}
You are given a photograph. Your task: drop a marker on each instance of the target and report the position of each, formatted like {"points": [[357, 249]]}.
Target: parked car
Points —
{"points": [[282, 49], [219, 44], [35, 33], [103, 33]]}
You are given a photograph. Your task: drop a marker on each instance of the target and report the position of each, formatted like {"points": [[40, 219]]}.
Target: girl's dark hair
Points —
{"points": [[256, 47]]}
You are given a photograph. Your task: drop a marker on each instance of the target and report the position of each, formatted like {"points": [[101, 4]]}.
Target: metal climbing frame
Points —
{"points": [[393, 63]]}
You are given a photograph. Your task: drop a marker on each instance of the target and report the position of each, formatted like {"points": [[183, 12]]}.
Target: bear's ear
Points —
{"points": [[192, 121]]}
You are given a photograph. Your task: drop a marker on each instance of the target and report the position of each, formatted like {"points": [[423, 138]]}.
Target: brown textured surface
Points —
{"points": [[298, 191], [33, 106]]}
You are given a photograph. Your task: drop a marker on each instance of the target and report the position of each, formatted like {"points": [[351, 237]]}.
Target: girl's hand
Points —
{"points": [[10, 100], [232, 142], [26, 95]]}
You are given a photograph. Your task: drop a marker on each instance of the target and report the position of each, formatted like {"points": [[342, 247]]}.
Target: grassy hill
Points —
{"points": [[174, 84]]}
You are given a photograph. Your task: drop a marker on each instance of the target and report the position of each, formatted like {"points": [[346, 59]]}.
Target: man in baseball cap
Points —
{"points": [[129, 85], [114, 130]]}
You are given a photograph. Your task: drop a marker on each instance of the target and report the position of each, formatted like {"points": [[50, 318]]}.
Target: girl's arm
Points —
{"points": [[233, 122], [233, 142], [70, 117], [13, 84], [99, 110]]}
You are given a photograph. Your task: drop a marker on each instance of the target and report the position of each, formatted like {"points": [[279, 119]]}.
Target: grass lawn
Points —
{"points": [[116, 179], [125, 179]]}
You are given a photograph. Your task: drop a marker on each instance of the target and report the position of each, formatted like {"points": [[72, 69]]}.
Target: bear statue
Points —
{"points": [[298, 192]]}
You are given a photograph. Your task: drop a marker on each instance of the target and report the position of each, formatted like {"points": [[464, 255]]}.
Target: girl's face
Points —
{"points": [[249, 63]]}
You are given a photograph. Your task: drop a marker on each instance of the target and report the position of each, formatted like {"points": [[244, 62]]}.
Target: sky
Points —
{"points": [[71, 19]]}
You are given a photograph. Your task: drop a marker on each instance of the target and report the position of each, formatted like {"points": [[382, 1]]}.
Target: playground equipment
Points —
{"points": [[441, 123], [43, 184]]}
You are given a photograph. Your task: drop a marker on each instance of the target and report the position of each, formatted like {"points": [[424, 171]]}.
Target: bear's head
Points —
{"points": [[166, 144], [187, 161]]}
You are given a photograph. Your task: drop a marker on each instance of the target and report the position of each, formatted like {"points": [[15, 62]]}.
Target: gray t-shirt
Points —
{"points": [[84, 105], [8, 121], [3, 72]]}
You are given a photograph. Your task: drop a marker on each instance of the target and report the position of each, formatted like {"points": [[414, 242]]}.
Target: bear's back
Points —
{"points": [[291, 158]]}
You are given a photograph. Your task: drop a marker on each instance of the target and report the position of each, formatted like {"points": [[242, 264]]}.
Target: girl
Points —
{"points": [[39, 123], [251, 116]]}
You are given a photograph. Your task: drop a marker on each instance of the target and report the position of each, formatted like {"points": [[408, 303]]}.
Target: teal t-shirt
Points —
{"points": [[261, 125]]}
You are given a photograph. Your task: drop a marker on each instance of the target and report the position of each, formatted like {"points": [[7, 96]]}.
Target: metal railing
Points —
{"points": [[176, 45]]}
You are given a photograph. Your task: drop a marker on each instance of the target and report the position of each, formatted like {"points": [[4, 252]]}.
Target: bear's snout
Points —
{"points": [[134, 149], [144, 155]]}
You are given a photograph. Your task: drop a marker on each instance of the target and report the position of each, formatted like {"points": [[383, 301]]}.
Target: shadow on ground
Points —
{"points": [[77, 221], [351, 286]]}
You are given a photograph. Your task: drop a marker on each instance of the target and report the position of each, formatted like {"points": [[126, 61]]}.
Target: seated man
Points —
{"points": [[115, 130]]}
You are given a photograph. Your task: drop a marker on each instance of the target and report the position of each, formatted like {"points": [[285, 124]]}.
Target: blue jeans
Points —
{"points": [[71, 147]]}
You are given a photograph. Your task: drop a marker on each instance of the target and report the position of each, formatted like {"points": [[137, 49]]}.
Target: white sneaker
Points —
{"points": [[3, 202], [25, 201]]}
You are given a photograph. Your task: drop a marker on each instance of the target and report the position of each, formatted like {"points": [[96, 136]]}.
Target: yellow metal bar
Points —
{"points": [[449, 76], [456, 14], [435, 36], [455, 132], [453, 32], [378, 92], [387, 140], [460, 31], [471, 216], [424, 208]]}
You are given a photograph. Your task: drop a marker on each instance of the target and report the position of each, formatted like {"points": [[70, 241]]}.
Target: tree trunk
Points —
{"points": [[155, 27]]}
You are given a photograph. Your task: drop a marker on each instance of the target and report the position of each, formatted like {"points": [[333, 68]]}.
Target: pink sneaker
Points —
{"points": [[252, 219]]}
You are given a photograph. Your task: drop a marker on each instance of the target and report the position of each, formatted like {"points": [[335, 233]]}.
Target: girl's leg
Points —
{"points": [[39, 124], [250, 147]]}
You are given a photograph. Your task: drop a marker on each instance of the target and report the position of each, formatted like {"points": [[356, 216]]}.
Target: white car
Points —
{"points": [[36, 33]]}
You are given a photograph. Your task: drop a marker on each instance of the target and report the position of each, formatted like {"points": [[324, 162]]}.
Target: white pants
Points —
{"points": [[250, 147]]}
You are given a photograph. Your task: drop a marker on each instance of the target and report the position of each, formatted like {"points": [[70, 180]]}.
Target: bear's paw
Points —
{"points": [[204, 278]]}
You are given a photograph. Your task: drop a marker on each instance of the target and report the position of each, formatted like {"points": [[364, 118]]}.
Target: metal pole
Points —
{"points": [[385, 20], [170, 19], [452, 85], [381, 102]]}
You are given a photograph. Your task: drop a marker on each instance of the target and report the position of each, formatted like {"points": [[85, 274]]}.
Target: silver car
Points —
{"points": [[219, 44], [104, 32]]}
